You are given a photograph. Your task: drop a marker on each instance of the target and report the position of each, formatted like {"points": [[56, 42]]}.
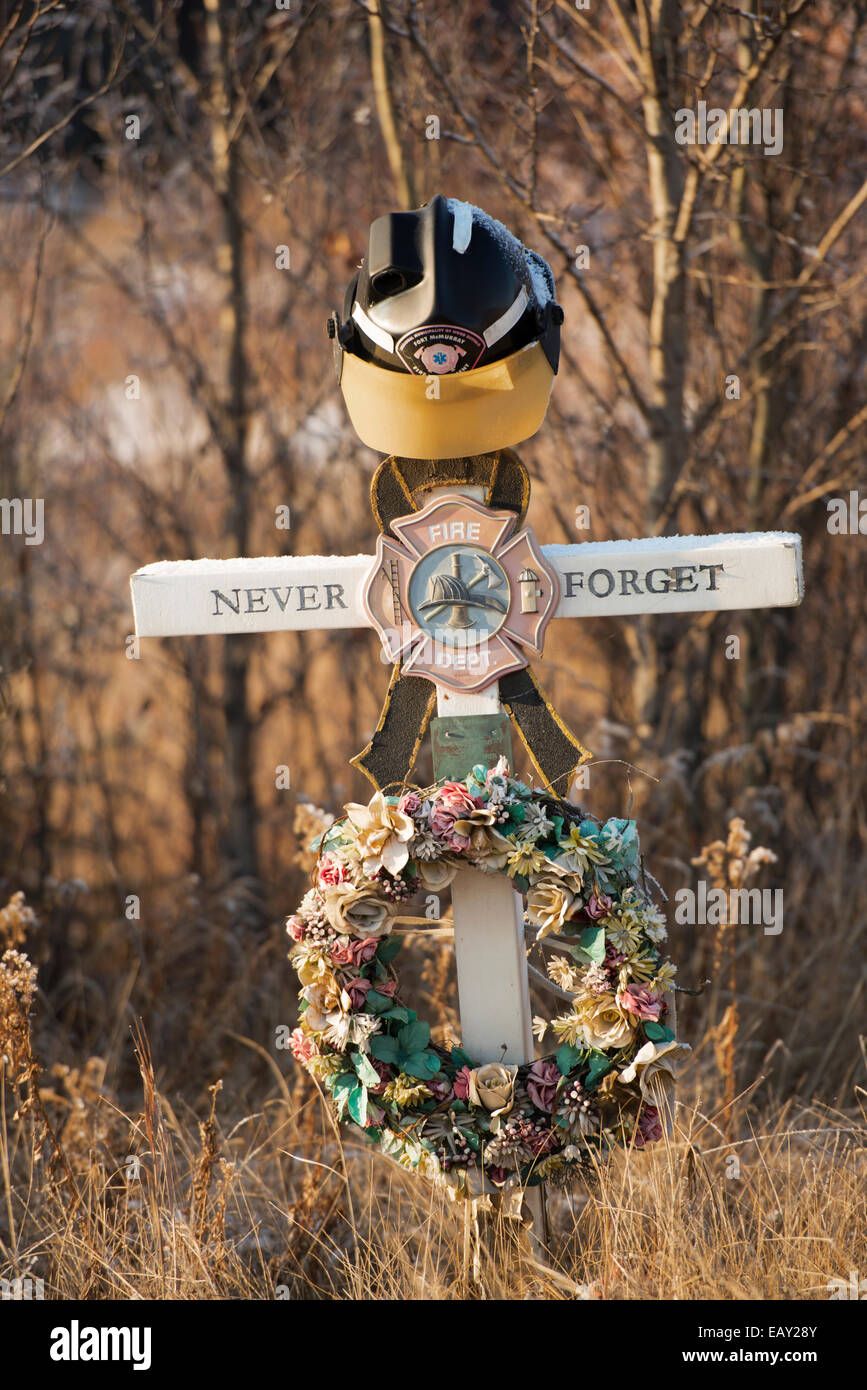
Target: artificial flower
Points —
{"points": [[302, 1046], [436, 874], [654, 1066], [383, 833], [541, 1083], [605, 1026], [490, 850], [597, 905], [549, 904], [493, 1087], [639, 1000], [360, 912], [649, 1129], [462, 1084], [525, 860], [404, 1091], [580, 851]]}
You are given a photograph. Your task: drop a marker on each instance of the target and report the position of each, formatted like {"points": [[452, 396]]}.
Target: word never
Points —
{"points": [[75, 1343], [23, 516], [735, 127], [258, 602], [710, 907]]}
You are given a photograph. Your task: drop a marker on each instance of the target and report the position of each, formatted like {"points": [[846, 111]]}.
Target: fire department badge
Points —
{"points": [[457, 597], [440, 348]]}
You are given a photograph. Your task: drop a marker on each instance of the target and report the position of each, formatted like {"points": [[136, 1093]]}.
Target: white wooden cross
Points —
{"points": [[668, 574]]}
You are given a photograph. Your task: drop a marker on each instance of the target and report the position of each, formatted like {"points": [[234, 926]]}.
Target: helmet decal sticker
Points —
{"points": [[438, 348]]}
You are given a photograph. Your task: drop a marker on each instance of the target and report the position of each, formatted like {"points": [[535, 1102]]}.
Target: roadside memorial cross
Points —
{"points": [[461, 594]]}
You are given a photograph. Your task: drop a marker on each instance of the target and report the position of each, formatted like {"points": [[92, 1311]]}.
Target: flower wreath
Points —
{"points": [[432, 1107]]}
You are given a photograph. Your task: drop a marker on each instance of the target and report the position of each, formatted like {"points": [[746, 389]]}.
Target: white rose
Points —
{"points": [[549, 903], [493, 1086], [658, 1060], [357, 911], [605, 1026], [436, 874]]}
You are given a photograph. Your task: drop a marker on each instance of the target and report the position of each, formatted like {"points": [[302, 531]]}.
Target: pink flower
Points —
{"points": [[440, 1090], [331, 870], [462, 1084], [649, 1129], [639, 1000], [410, 804], [453, 802], [302, 1047], [364, 950], [454, 797], [541, 1084], [350, 952], [598, 906], [295, 928], [357, 991], [613, 959]]}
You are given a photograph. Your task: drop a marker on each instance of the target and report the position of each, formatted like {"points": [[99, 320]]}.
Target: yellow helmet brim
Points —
{"points": [[448, 416]]}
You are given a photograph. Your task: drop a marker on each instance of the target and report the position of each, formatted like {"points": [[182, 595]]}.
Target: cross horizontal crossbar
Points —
{"points": [[664, 574]]}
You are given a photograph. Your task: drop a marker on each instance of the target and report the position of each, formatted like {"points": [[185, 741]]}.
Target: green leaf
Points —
{"points": [[358, 1105], [343, 1088], [593, 942], [421, 1065], [461, 1058], [414, 1036], [398, 1013], [658, 1032], [367, 1074], [388, 949], [599, 1066], [376, 1003], [568, 1057], [384, 1047]]}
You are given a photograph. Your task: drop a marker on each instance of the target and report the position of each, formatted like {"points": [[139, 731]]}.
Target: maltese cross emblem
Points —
{"points": [[458, 598]]}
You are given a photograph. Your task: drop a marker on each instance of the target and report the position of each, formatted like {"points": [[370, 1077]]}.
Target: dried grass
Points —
{"points": [[748, 1200]]}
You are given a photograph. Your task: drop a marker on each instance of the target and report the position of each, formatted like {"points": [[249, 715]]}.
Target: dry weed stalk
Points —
{"points": [[730, 864]]}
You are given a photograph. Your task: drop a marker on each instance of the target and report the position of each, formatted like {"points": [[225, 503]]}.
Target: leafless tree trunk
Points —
{"points": [[240, 834], [401, 168]]}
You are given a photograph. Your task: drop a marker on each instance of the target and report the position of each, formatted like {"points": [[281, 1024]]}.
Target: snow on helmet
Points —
{"points": [[450, 337]]}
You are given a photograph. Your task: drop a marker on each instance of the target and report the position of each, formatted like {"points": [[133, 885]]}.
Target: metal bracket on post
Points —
{"points": [[460, 741]]}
